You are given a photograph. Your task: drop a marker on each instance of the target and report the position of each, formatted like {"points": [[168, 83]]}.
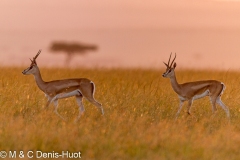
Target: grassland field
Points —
{"points": [[140, 107]]}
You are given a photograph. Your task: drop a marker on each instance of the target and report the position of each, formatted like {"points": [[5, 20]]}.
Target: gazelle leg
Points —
{"points": [[224, 107], [179, 109], [81, 107], [48, 103], [213, 101], [98, 105], [189, 106], [49, 100], [90, 96], [56, 106]]}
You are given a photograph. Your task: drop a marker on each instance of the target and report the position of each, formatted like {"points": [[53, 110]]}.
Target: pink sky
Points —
{"points": [[25, 21], [105, 14]]}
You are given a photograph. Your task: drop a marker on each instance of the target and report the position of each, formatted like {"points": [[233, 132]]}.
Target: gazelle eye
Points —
{"points": [[31, 67]]}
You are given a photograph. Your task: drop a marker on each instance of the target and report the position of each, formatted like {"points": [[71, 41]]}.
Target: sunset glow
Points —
{"points": [[128, 33]]}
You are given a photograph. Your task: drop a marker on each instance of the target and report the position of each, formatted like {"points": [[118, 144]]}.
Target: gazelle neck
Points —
{"points": [[174, 83], [39, 80]]}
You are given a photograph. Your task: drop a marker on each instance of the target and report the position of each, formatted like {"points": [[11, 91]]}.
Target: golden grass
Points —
{"points": [[138, 123]]}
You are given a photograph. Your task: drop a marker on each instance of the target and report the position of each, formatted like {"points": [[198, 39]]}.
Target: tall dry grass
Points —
{"points": [[138, 123]]}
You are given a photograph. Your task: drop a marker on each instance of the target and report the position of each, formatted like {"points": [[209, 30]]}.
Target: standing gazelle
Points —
{"points": [[54, 90], [195, 90]]}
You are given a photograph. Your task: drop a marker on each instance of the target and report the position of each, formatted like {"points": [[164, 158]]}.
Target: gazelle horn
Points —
{"points": [[169, 59], [166, 65], [173, 61], [34, 58]]}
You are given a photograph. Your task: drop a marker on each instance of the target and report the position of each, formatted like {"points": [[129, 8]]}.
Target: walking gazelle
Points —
{"points": [[58, 89], [195, 90]]}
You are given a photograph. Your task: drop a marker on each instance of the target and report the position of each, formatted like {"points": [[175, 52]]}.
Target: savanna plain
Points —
{"points": [[140, 108]]}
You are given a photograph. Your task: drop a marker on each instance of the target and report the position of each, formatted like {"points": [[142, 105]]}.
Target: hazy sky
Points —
{"points": [[128, 32], [105, 14]]}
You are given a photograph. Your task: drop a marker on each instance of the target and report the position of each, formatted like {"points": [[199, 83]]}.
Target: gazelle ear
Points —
{"points": [[175, 65]]}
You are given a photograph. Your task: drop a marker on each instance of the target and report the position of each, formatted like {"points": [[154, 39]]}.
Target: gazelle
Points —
{"points": [[54, 90], [195, 90]]}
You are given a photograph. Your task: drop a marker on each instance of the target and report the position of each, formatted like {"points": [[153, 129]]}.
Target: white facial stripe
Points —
{"points": [[26, 70], [167, 72]]}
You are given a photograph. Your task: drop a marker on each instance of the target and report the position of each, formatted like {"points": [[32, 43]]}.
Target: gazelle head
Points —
{"points": [[170, 69], [33, 67]]}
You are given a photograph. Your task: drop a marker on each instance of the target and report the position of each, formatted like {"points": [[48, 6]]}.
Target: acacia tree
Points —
{"points": [[71, 49]]}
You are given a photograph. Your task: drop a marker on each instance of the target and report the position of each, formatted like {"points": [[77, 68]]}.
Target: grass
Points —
{"points": [[138, 123]]}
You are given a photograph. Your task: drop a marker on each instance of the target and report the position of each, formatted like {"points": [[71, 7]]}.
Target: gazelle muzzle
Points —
{"points": [[25, 72]]}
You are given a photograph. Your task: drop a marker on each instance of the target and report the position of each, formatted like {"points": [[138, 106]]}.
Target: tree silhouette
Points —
{"points": [[72, 49]]}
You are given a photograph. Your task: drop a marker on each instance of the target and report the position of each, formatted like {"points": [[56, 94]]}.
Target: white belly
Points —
{"points": [[66, 95], [198, 96], [206, 93]]}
